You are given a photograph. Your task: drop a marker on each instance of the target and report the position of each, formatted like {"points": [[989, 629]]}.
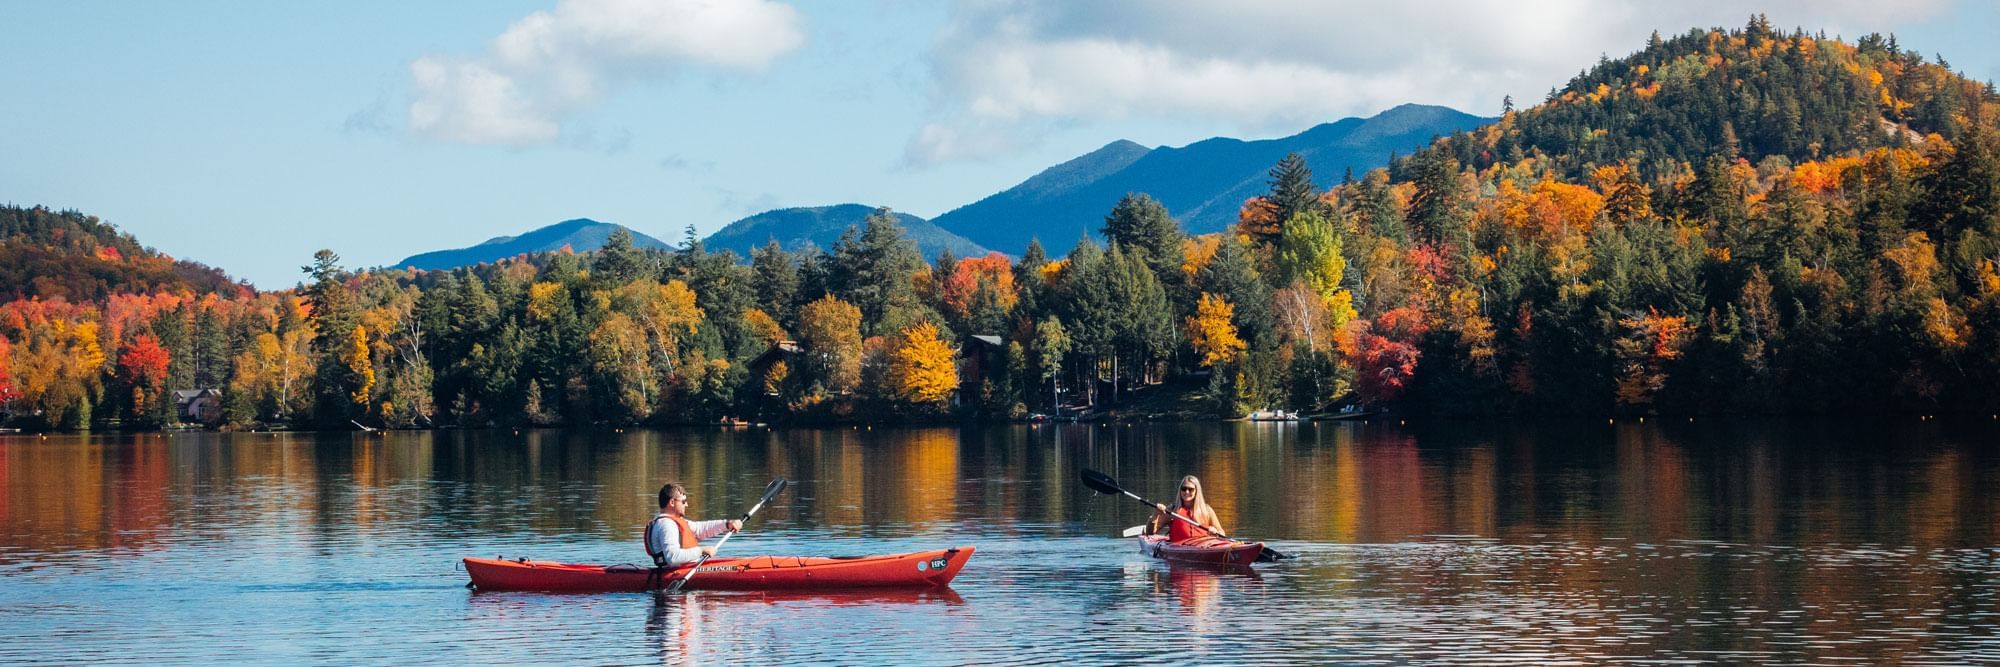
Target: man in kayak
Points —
{"points": [[1193, 505], [672, 540]]}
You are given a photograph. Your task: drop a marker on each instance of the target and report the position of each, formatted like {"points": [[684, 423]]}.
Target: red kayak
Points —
{"points": [[921, 569], [1202, 550]]}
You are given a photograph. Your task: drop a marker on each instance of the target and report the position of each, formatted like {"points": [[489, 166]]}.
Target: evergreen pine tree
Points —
{"points": [[777, 282], [619, 262], [1292, 190], [1141, 225], [335, 315]]}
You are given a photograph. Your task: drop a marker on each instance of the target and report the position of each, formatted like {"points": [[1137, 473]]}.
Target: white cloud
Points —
{"points": [[1004, 66], [550, 65]]}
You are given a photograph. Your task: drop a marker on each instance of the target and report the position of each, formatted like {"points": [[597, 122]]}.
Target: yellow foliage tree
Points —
{"points": [[358, 361], [831, 331], [1212, 331], [543, 299], [1945, 326], [1196, 251], [666, 313], [89, 354], [258, 371], [1916, 263], [763, 327], [924, 368], [1989, 278], [618, 355], [774, 377]]}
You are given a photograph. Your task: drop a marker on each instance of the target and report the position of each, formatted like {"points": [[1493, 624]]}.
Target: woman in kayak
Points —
{"points": [[672, 540], [1194, 506]]}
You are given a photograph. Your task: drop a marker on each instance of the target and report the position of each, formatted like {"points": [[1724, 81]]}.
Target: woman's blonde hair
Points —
{"points": [[1202, 513]]}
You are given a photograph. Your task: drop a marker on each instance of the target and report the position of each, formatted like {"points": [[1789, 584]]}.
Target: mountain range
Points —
{"points": [[821, 226], [1202, 184], [580, 235]]}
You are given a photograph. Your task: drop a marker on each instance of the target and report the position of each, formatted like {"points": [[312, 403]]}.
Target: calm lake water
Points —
{"points": [[1780, 542]]}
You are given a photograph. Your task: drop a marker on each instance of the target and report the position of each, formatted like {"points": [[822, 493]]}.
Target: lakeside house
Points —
{"points": [[198, 406], [979, 357], [784, 351]]}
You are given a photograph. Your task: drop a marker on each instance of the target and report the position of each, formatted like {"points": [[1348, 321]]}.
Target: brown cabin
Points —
{"points": [[980, 357]]}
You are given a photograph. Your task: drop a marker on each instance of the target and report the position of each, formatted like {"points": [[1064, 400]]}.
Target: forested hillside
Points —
{"points": [[1725, 221], [1729, 221], [72, 256]]}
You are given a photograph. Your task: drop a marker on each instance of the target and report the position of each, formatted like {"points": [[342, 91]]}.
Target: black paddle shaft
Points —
{"points": [[770, 491], [1104, 484]]}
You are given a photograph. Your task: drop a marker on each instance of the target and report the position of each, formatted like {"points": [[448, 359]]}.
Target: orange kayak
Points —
{"points": [[1204, 550], [920, 569]]}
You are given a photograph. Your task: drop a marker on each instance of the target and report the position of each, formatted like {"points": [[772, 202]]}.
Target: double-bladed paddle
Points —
{"points": [[771, 491], [1104, 484]]}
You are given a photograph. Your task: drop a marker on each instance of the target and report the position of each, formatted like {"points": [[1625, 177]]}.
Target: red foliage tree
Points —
{"points": [[1386, 354], [143, 368], [1385, 368]]}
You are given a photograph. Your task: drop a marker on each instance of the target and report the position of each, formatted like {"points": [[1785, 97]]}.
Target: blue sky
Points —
{"points": [[246, 135]]}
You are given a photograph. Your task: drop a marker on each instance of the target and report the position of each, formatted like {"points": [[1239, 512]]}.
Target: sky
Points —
{"points": [[247, 134]]}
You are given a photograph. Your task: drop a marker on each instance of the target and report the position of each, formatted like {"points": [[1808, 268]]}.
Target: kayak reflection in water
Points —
{"points": [[672, 540], [1192, 505]]}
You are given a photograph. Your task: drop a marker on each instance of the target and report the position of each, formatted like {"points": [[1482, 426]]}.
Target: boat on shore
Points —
{"points": [[919, 569]]}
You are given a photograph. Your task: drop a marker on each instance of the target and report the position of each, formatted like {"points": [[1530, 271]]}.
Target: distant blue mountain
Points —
{"points": [[821, 226], [1202, 184], [581, 235]]}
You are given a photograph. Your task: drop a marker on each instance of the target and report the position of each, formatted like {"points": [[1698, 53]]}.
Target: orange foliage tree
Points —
{"points": [[993, 271], [1652, 341], [1258, 218], [8, 392]]}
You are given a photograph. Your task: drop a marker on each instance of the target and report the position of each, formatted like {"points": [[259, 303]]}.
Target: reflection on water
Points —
{"points": [[1729, 542]]}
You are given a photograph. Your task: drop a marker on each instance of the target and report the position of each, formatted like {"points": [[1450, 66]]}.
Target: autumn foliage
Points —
{"points": [[924, 368], [1722, 221], [142, 369], [1212, 333]]}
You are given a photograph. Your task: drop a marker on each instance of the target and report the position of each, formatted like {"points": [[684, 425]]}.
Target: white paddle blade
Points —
{"points": [[1134, 531]]}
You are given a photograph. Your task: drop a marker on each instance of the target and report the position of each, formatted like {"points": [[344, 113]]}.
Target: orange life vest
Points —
{"points": [[688, 538]]}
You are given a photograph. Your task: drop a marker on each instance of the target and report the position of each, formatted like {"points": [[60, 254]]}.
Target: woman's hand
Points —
{"points": [[708, 552], [735, 525], [1157, 507]]}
